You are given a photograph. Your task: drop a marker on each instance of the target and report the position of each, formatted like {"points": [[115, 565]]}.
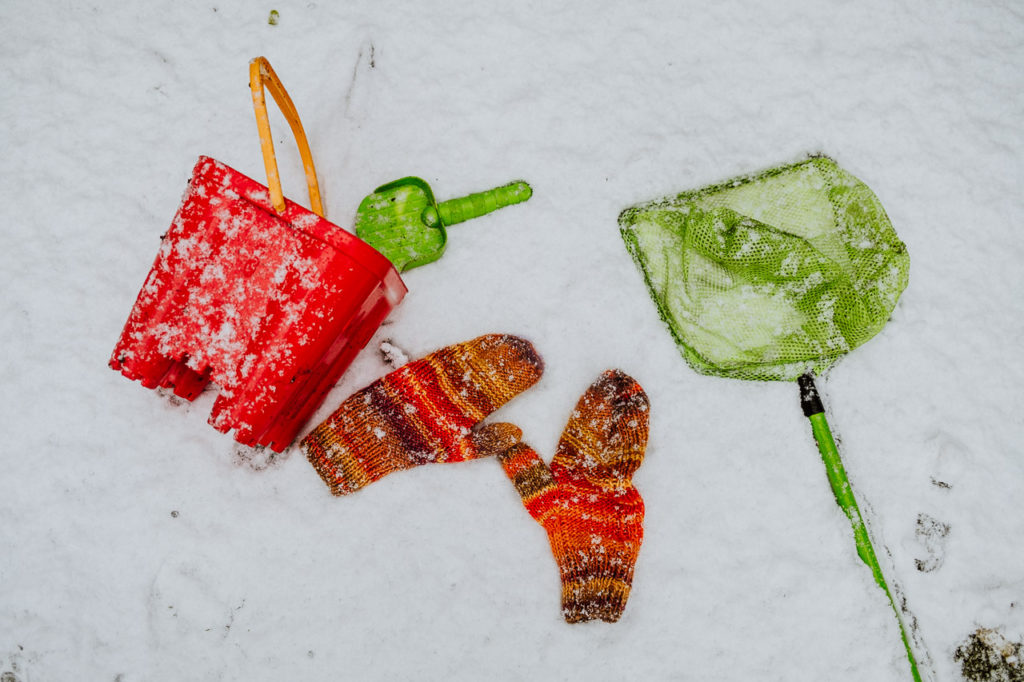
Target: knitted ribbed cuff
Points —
{"points": [[339, 468], [594, 598]]}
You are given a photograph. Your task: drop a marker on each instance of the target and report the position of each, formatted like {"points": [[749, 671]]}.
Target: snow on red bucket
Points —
{"points": [[270, 307]]}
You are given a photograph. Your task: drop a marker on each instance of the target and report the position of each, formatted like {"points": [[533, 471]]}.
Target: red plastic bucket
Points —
{"points": [[270, 305], [272, 308]]}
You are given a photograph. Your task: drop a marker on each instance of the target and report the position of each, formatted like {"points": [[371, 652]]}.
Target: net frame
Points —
{"points": [[770, 275]]}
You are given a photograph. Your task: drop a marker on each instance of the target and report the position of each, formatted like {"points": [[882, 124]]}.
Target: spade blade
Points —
{"points": [[391, 221]]}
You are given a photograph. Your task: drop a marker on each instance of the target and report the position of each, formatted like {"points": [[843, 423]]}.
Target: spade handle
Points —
{"points": [[475, 205]]}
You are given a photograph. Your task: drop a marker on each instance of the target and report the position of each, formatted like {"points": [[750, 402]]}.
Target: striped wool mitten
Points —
{"points": [[586, 500], [425, 411]]}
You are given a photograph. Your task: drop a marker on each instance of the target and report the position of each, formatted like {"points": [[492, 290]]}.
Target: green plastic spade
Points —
{"points": [[404, 222]]}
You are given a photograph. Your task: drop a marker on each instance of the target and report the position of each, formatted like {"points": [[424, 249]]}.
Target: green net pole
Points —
{"points": [[815, 412]]}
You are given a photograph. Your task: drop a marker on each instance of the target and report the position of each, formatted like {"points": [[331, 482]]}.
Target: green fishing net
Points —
{"points": [[771, 275]]}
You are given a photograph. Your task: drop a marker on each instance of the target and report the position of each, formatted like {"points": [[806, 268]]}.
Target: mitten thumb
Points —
{"points": [[491, 439], [531, 477]]}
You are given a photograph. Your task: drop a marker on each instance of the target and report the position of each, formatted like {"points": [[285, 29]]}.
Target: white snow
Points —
{"points": [[138, 544]]}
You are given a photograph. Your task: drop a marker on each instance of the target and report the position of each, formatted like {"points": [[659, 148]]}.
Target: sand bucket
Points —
{"points": [[256, 294]]}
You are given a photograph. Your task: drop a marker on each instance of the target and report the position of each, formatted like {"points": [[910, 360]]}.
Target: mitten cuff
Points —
{"points": [[594, 598], [338, 466]]}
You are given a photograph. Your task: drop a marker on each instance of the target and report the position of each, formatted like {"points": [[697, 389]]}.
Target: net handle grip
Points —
{"points": [[261, 76]]}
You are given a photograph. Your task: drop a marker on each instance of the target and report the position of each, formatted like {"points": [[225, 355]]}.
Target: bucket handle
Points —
{"points": [[260, 74]]}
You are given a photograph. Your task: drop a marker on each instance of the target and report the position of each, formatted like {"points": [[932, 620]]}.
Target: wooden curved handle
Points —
{"points": [[260, 75]]}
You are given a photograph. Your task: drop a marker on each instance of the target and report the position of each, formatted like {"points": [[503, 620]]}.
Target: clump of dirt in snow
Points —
{"points": [[257, 458], [987, 656], [392, 354]]}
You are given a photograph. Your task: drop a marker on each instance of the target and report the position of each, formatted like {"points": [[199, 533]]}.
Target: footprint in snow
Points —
{"points": [[931, 533], [190, 606], [951, 456]]}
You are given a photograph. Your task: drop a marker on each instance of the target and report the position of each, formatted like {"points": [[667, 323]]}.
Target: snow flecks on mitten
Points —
{"points": [[586, 500], [426, 411]]}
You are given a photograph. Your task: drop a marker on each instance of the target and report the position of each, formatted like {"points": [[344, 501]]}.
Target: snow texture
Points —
{"points": [[140, 544]]}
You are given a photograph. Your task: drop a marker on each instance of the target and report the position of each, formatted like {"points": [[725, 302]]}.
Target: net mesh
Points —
{"points": [[771, 275]]}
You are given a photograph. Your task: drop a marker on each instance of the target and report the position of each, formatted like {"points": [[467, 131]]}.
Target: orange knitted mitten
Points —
{"points": [[425, 411], [586, 500]]}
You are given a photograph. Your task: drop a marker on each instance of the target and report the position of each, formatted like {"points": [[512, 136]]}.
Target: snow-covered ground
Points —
{"points": [[136, 543]]}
